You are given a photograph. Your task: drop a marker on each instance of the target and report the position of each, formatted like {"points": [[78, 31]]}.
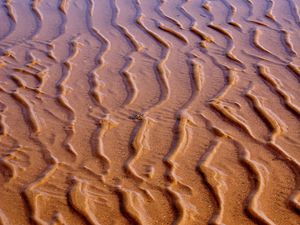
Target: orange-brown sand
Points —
{"points": [[150, 112]]}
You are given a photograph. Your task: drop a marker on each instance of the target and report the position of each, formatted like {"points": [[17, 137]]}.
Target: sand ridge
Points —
{"points": [[149, 112]]}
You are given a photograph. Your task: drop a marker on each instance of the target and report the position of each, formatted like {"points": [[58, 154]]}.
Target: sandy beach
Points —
{"points": [[149, 112]]}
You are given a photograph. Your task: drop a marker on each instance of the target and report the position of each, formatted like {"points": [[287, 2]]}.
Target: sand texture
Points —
{"points": [[149, 112]]}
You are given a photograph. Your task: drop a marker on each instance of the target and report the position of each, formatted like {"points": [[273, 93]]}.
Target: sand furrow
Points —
{"points": [[127, 207], [124, 71], [31, 196], [139, 139], [231, 13], [149, 112], [230, 47], [288, 43], [38, 17], [62, 90], [15, 35], [94, 82], [193, 28], [161, 70], [173, 32], [181, 141], [276, 126], [180, 144], [8, 168], [211, 177], [104, 125], [285, 34], [164, 15], [295, 11], [28, 113], [252, 203], [251, 206], [269, 10], [62, 9], [255, 41], [12, 18], [277, 86], [78, 200], [295, 70], [217, 105], [229, 52], [250, 6]]}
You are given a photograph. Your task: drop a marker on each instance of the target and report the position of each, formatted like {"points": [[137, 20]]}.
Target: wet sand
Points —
{"points": [[150, 112]]}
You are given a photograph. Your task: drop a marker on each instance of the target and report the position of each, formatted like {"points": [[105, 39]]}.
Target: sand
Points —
{"points": [[149, 112]]}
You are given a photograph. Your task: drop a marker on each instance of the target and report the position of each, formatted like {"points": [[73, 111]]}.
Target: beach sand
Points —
{"points": [[149, 112]]}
